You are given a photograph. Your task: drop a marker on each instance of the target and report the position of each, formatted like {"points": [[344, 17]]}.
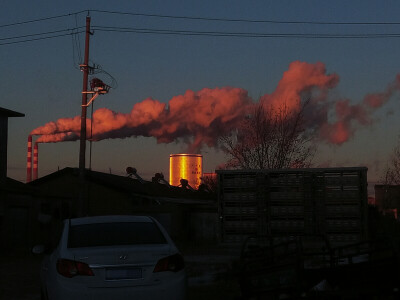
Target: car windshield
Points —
{"points": [[112, 234]]}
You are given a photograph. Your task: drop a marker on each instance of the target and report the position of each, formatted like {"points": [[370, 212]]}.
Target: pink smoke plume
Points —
{"points": [[200, 118], [349, 117], [57, 137], [301, 78], [201, 115], [61, 125]]}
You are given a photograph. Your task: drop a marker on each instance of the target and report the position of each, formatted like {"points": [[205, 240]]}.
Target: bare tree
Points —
{"points": [[209, 183], [270, 138], [390, 181], [392, 172]]}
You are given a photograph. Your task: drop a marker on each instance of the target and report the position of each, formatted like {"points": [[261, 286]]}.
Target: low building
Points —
{"points": [[29, 211], [16, 199], [4, 115], [174, 207]]}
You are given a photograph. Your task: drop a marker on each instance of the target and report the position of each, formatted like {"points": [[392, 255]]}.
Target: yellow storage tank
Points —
{"points": [[185, 166]]}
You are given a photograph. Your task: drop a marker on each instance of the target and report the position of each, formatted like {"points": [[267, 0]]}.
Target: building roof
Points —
{"points": [[9, 113], [12, 185], [296, 170], [125, 184]]}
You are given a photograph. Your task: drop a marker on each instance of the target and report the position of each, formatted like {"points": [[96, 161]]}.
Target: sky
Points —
{"points": [[42, 79]]}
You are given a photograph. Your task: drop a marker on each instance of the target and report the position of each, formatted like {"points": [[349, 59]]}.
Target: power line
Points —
{"points": [[244, 34], [199, 19], [75, 31], [78, 41], [76, 52], [242, 20], [76, 46], [36, 34], [42, 19], [42, 38]]}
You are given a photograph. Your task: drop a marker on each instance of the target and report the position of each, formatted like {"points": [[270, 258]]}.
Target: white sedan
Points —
{"points": [[113, 257]]}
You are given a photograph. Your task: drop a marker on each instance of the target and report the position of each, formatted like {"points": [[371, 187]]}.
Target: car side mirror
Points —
{"points": [[39, 249]]}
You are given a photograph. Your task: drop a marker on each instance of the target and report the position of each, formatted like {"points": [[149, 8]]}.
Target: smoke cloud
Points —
{"points": [[57, 137], [300, 81], [200, 118], [349, 117]]}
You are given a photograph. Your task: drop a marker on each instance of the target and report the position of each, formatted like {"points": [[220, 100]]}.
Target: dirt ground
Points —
{"points": [[209, 276], [19, 273]]}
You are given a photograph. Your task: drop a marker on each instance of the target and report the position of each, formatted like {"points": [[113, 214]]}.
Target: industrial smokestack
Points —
{"points": [[29, 160], [35, 161]]}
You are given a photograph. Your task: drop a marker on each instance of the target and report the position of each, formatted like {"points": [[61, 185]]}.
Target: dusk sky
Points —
{"points": [[346, 52]]}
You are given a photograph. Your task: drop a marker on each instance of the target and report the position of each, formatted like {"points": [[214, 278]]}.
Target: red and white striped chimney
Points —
{"points": [[29, 160], [35, 161]]}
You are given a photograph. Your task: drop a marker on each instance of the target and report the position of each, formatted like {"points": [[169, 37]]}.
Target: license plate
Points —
{"points": [[123, 273]]}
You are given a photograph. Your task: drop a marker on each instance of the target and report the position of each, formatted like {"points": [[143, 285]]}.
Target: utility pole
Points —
{"points": [[85, 70], [82, 205]]}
